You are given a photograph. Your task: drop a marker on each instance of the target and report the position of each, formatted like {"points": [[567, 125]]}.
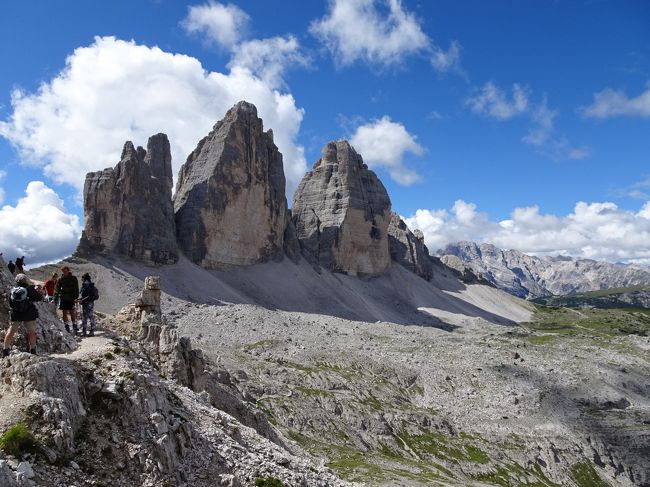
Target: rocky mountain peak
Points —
{"points": [[530, 276], [128, 210], [230, 199], [341, 213]]}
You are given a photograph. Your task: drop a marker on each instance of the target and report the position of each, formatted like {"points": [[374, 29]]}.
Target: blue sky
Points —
{"points": [[523, 123]]}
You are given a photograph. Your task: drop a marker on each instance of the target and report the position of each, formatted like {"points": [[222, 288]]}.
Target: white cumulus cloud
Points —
{"points": [[615, 103], [269, 58], [38, 227], [115, 90], [356, 30], [383, 143], [600, 230], [3, 174], [494, 102], [448, 60], [544, 124], [222, 24]]}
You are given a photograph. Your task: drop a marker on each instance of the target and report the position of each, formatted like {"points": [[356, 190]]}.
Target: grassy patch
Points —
{"points": [[585, 475], [261, 344], [18, 440], [541, 339], [514, 475], [299, 438], [441, 446], [372, 401], [268, 482], [128, 374], [356, 467], [554, 320]]}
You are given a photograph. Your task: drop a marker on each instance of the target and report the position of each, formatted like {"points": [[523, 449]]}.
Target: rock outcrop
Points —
{"points": [[341, 213], [173, 354], [107, 417], [408, 249], [230, 199], [147, 411], [128, 208]]}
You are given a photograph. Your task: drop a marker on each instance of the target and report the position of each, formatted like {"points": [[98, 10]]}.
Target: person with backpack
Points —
{"points": [[12, 267], [67, 291], [49, 285], [21, 301], [87, 297]]}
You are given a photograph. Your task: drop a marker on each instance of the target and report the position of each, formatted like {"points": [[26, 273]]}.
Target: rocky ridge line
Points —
{"points": [[532, 277], [230, 208]]}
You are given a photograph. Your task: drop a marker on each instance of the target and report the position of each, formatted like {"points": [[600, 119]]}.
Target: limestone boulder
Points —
{"points": [[230, 199], [408, 249], [341, 213], [128, 209]]}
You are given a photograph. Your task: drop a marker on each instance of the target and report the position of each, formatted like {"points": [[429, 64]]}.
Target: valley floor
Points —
{"points": [[393, 381]]}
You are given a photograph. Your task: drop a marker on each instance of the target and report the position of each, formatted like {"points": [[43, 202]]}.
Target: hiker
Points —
{"points": [[87, 297], [21, 301], [50, 285], [66, 292], [12, 267], [20, 264]]}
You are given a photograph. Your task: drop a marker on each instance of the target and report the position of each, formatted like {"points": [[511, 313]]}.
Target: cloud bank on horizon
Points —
{"points": [[600, 231], [114, 90]]}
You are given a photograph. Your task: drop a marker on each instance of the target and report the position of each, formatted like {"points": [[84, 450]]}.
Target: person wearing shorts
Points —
{"points": [[23, 314]]}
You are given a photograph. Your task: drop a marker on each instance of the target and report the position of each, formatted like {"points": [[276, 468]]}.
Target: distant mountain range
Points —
{"points": [[533, 277]]}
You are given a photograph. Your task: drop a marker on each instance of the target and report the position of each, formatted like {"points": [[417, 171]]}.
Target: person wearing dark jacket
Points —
{"points": [[67, 292], [21, 301], [87, 297], [12, 267], [20, 264]]}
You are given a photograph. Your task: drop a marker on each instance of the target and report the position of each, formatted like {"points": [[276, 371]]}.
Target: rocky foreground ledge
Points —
{"points": [[141, 411]]}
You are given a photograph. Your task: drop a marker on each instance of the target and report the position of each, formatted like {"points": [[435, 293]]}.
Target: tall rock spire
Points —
{"points": [[230, 203], [341, 213], [128, 208]]}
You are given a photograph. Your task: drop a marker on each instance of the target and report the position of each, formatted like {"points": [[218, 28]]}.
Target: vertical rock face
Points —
{"points": [[230, 203], [341, 213], [128, 209], [407, 248]]}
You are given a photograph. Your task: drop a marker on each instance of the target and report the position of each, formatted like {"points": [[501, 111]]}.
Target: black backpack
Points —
{"points": [[19, 299], [94, 293]]}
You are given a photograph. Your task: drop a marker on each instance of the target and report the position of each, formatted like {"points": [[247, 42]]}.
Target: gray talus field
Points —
{"points": [[394, 381]]}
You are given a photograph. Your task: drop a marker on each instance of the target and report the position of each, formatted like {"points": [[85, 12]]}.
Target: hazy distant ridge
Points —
{"points": [[530, 277]]}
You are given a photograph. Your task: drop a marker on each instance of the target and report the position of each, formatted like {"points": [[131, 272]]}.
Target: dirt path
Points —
{"points": [[88, 346]]}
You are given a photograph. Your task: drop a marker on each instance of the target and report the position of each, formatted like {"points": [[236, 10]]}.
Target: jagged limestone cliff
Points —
{"points": [[230, 199], [341, 212], [128, 209]]}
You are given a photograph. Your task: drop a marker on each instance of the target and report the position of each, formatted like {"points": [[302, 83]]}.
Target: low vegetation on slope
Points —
{"points": [[623, 297], [553, 321]]}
